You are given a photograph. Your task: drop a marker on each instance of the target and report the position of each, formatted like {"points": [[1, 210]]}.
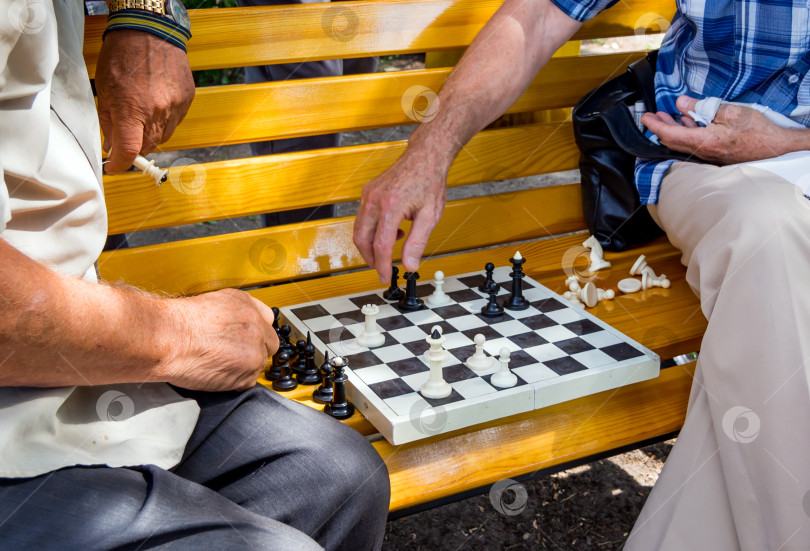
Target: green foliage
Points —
{"points": [[215, 77]]}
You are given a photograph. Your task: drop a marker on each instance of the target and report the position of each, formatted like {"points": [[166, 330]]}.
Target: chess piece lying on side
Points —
{"points": [[597, 260]]}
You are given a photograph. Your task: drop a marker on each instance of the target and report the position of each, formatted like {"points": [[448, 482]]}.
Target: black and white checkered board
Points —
{"points": [[558, 353]]}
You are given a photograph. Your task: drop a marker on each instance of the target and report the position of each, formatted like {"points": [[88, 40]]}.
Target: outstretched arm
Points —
{"points": [[60, 331], [496, 69], [736, 135]]}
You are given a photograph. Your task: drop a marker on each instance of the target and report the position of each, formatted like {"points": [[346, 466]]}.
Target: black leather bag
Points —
{"points": [[609, 142]]}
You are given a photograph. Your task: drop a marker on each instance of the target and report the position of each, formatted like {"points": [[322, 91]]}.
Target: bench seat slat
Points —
{"points": [[288, 181], [286, 252], [243, 113], [225, 38], [668, 321]]}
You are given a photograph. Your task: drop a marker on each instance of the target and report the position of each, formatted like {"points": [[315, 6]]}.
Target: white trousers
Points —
{"points": [[739, 474]]}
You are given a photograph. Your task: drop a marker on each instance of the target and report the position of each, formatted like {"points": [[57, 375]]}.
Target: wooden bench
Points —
{"points": [[445, 467]]}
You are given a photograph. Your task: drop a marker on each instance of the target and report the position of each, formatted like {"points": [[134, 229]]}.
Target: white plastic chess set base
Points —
{"points": [[557, 352]]}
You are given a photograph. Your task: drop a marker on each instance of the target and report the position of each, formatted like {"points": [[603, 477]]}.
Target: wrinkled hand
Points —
{"points": [[736, 135], [223, 341], [144, 88], [408, 190]]}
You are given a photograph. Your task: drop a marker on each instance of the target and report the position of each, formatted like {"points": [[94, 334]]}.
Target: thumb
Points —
{"points": [[126, 140], [686, 104]]}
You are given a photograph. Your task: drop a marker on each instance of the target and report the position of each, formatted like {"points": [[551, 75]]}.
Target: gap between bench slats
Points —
{"points": [[325, 246], [238, 37], [243, 113], [242, 187]]}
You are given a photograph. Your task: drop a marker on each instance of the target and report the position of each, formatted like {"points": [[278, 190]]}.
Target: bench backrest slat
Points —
{"points": [[238, 37]]}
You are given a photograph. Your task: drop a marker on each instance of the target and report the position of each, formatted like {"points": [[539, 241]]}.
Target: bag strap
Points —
{"points": [[643, 71]]}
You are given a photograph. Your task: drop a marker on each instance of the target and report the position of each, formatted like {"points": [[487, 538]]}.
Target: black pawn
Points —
{"points": [[273, 372], [492, 308], [284, 344], [410, 302], [285, 381], [516, 300], [490, 267], [276, 314], [300, 360], [339, 407], [394, 292], [310, 374], [323, 394]]}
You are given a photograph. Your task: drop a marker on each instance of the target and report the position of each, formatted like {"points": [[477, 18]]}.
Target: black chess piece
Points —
{"points": [[285, 381], [339, 407], [490, 267], [323, 394], [273, 372], [410, 302], [300, 360], [516, 300], [492, 309], [393, 293], [284, 343], [309, 375], [276, 314]]}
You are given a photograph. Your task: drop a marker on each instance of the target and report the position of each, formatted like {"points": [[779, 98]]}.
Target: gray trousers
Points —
{"points": [[287, 71], [739, 474], [259, 472]]}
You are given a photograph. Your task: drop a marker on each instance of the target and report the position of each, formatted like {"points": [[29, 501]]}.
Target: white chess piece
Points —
{"points": [[371, 335], [504, 378], [436, 387], [597, 260], [588, 295], [439, 297], [603, 294], [479, 361], [629, 285]]}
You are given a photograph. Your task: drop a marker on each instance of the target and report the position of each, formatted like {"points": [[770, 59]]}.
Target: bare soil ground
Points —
{"points": [[592, 507]]}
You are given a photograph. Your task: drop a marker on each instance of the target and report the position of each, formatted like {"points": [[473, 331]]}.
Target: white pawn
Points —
{"points": [[597, 260], [638, 266], [479, 361], [504, 378], [436, 387], [371, 335], [439, 297], [603, 294]]}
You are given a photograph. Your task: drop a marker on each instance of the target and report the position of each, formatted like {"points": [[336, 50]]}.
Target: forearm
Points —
{"points": [[60, 331], [496, 69]]}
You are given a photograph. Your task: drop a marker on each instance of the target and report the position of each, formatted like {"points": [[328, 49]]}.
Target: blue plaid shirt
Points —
{"points": [[753, 51]]}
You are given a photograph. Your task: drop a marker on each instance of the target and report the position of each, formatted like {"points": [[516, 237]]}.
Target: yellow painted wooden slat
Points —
{"points": [[248, 112], [668, 321], [481, 455], [286, 252], [289, 34], [274, 183]]}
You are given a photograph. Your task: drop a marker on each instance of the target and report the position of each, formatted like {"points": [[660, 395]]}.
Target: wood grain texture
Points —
{"points": [[242, 187], [470, 458], [243, 113], [285, 34], [320, 247]]}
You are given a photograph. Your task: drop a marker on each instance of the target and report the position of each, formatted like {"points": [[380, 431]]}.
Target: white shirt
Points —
{"points": [[52, 209]]}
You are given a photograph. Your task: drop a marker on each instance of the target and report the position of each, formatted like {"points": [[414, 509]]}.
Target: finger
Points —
{"points": [[365, 227], [384, 240], [667, 118], [126, 138], [675, 136], [688, 122], [270, 337], [414, 247], [686, 104]]}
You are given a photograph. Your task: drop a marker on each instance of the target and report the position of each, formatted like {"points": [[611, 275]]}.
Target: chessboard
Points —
{"points": [[558, 352]]}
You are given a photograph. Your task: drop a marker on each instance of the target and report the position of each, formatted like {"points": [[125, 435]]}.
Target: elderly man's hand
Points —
{"points": [[144, 88], [736, 135], [409, 190]]}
